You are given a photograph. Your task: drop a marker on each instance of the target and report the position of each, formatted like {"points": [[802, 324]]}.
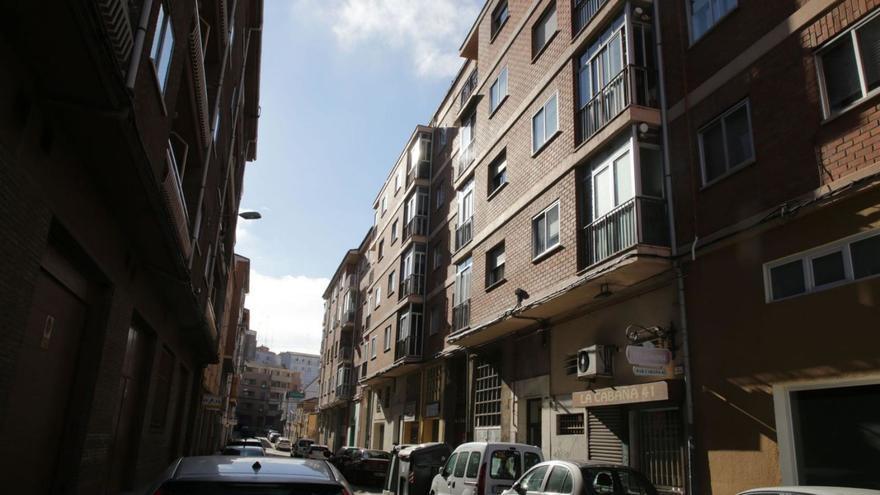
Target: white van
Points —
{"points": [[484, 468]]}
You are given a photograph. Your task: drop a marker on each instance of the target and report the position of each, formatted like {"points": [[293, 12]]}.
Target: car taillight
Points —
{"points": [[481, 480]]}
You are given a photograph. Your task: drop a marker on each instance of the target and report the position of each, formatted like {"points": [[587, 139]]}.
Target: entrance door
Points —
{"points": [[661, 449], [44, 377], [533, 422]]}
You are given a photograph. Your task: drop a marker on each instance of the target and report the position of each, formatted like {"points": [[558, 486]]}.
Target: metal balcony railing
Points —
{"points": [[413, 285], [470, 85], [417, 225], [640, 220], [464, 233], [410, 347], [465, 157], [584, 11], [421, 170], [632, 85], [344, 391], [461, 315], [346, 353]]}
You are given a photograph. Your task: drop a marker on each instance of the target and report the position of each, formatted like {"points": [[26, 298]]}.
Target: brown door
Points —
{"points": [[41, 390]]}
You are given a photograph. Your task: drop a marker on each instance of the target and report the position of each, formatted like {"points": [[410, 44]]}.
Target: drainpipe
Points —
{"points": [[138, 48], [679, 279]]}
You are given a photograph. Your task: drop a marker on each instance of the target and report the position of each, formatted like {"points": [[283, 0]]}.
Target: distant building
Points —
{"points": [[309, 366], [265, 356], [250, 342], [262, 392]]}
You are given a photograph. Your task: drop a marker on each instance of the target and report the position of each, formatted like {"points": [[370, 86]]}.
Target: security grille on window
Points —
{"points": [[850, 66], [498, 172], [495, 265], [570, 424], [498, 90], [545, 230], [487, 395], [543, 30], [499, 16], [726, 143], [163, 46], [545, 123], [707, 13]]}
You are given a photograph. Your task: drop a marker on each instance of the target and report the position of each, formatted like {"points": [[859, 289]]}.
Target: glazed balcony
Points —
{"points": [[464, 233], [461, 315], [468, 89], [413, 285], [409, 348], [466, 155], [421, 171], [633, 85], [344, 391], [639, 221], [416, 226]]}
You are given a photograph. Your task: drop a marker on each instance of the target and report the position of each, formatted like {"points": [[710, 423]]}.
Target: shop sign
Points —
{"points": [[624, 394], [650, 371], [211, 401], [652, 357]]}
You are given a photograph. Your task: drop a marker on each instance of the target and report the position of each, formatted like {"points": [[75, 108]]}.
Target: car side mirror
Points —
{"points": [[519, 489]]}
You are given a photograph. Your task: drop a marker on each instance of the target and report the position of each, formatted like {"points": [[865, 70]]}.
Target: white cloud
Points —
{"points": [[287, 312], [429, 30]]}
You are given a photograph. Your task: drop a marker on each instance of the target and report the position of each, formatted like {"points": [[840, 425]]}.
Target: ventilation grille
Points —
{"points": [[114, 15]]}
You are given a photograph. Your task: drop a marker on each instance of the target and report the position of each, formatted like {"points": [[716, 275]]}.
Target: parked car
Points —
{"points": [[362, 466], [283, 443], [264, 442], [413, 467], [581, 478], [243, 475], [319, 452], [244, 451], [488, 466], [809, 490], [274, 436], [301, 447]]}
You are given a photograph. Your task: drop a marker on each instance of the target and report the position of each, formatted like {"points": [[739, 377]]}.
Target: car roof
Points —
{"points": [[410, 449], [588, 464], [212, 468], [813, 490], [499, 445]]}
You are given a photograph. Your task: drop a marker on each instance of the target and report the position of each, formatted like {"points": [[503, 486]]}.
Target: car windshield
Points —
{"points": [[234, 488], [376, 454]]}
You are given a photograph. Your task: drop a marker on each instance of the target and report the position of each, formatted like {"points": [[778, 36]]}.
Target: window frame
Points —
{"points": [[547, 249], [373, 348], [495, 26], [159, 39], [500, 162], [543, 110], [690, 21], [729, 170], [492, 254], [387, 346], [548, 38], [807, 256], [827, 113], [391, 282], [503, 77]]}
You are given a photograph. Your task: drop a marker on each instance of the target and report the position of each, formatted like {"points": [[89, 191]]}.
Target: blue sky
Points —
{"points": [[343, 84]]}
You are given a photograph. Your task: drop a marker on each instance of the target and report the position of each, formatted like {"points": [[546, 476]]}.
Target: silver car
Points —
{"points": [[581, 478], [809, 490], [225, 475]]}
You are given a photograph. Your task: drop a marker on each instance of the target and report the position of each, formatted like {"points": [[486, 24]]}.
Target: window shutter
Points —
{"points": [[605, 433]]}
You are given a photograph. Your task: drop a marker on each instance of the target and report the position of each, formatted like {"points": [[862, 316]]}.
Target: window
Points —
{"points": [[499, 17], [440, 196], [461, 465], [473, 465], [495, 265], [505, 465], [533, 480], [545, 123], [462, 290], [387, 397], [570, 424], [827, 266], [388, 338], [707, 13], [373, 347], [726, 143], [394, 231], [378, 295], [398, 179], [559, 480], [612, 183], [436, 257], [384, 203], [163, 46], [450, 465], [498, 91], [849, 67], [487, 395], [443, 136], [543, 30], [391, 283], [433, 320], [498, 173], [545, 230], [381, 249]]}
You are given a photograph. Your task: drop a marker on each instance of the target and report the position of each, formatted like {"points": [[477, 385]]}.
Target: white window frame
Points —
{"points": [[466, 202], [543, 111], [548, 248], [164, 26], [807, 257], [820, 71], [785, 422], [394, 230], [498, 91], [378, 294], [731, 169], [373, 347], [608, 164], [463, 270], [387, 338], [716, 20], [496, 167], [391, 283]]}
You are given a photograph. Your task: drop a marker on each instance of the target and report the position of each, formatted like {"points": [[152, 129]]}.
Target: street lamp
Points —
{"points": [[250, 215]]}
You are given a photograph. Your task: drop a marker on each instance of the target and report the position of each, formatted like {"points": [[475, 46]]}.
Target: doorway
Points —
{"points": [[533, 422]]}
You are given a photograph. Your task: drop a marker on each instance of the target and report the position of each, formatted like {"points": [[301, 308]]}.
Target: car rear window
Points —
{"points": [[233, 488], [473, 465], [505, 465], [376, 454]]}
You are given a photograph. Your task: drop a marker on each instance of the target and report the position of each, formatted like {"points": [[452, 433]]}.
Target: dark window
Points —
{"points": [[530, 459], [499, 16], [450, 465], [828, 269], [846, 78], [726, 143], [461, 465], [498, 172], [543, 30], [788, 279], [533, 480], [866, 257], [559, 481], [495, 265]]}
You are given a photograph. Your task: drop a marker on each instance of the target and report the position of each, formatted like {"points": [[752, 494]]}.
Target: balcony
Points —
{"points": [[409, 348], [466, 155], [641, 220], [346, 353], [468, 89], [343, 391], [584, 11], [461, 315], [348, 318], [464, 233], [420, 171], [633, 85], [413, 285], [172, 193], [417, 225]]}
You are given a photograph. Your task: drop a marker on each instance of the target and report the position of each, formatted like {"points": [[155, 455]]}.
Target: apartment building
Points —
{"points": [[263, 390], [309, 366], [124, 132]]}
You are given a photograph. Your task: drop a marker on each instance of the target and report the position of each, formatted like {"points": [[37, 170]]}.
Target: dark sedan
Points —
{"points": [[362, 466]]}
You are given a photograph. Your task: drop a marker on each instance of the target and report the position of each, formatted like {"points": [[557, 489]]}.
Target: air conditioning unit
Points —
{"points": [[595, 361]]}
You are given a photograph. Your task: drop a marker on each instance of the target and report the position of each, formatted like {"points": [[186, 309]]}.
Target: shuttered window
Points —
{"points": [[605, 434]]}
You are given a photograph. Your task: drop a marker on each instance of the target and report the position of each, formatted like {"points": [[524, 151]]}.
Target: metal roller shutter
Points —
{"points": [[605, 433]]}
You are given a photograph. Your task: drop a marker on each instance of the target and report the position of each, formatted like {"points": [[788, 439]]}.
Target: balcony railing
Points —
{"points": [[422, 170], [414, 285], [470, 85], [349, 317], [410, 347], [632, 85], [344, 391], [584, 11], [346, 353], [466, 155], [461, 315], [640, 220], [417, 225], [464, 233]]}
